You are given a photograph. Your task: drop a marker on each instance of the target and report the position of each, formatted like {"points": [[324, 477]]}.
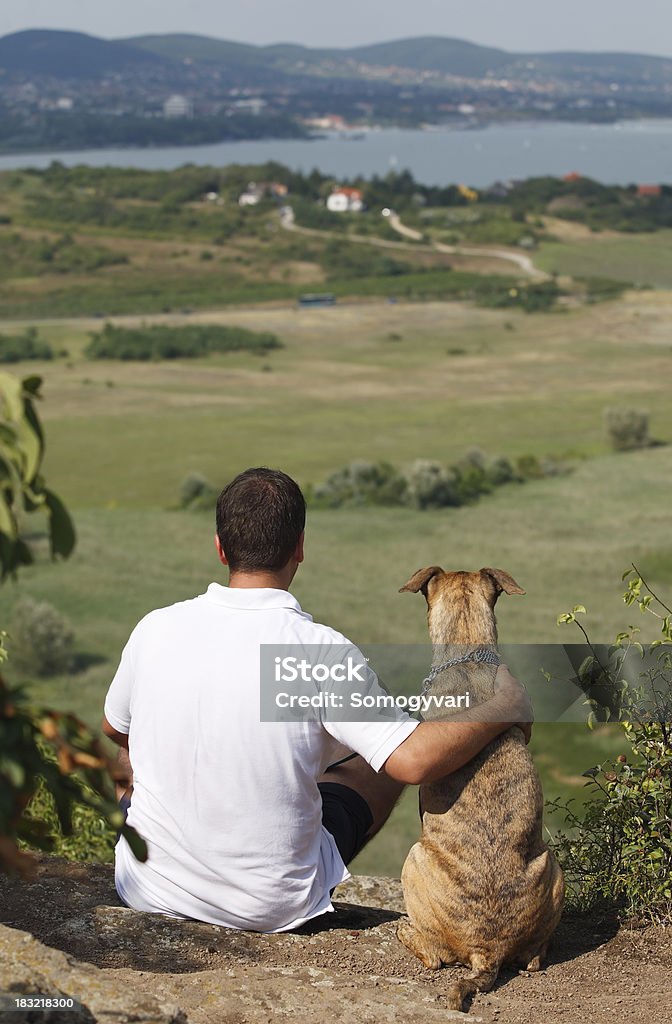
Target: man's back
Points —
{"points": [[228, 804]]}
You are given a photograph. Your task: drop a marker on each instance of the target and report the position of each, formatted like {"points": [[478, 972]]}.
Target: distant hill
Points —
{"points": [[201, 49], [68, 54], [427, 53], [76, 55]]}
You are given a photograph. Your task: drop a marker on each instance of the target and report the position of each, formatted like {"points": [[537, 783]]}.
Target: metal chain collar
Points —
{"points": [[482, 656]]}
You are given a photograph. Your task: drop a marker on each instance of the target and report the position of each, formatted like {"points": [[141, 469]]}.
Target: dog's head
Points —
{"points": [[460, 605]]}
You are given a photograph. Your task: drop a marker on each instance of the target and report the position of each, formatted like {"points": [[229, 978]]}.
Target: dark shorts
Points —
{"points": [[344, 813], [347, 816]]}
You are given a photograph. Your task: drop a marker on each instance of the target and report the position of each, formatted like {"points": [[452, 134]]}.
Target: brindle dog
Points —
{"points": [[481, 887]]}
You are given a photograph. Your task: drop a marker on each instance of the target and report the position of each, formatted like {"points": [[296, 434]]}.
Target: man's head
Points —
{"points": [[261, 516]]}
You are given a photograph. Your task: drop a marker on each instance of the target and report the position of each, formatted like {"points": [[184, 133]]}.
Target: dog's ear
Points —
{"points": [[503, 581], [420, 579]]}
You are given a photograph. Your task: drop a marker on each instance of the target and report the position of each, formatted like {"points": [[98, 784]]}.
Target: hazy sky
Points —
{"points": [[643, 26]]}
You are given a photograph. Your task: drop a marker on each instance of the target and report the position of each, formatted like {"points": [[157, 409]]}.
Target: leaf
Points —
{"points": [[30, 447], [11, 393], [579, 609], [138, 846], [7, 523], [585, 668], [32, 385], [61, 528], [34, 430], [13, 771]]}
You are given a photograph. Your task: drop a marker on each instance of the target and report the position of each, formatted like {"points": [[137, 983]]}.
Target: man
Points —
{"points": [[250, 824]]}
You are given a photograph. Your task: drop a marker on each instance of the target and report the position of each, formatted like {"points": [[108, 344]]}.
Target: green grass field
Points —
{"points": [[639, 259], [376, 381]]}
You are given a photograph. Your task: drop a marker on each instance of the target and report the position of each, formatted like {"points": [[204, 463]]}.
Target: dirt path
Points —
{"points": [[522, 262]]}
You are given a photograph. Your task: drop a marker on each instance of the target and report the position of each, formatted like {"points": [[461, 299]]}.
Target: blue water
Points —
{"points": [[637, 151]]}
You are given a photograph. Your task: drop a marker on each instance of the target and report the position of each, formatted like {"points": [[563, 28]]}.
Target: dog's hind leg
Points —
{"points": [[420, 945]]}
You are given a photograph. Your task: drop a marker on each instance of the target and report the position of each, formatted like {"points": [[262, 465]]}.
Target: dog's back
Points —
{"points": [[481, 887]]}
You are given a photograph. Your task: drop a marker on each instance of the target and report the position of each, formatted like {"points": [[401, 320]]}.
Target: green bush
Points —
{"points": [[426, 483], [41, 638], [18, 347], [361, 483], [342, 260], [431, 485], [38, 743], [92, 837], [165, 342], [500, 471], [617, 850], [197, 493], [531, 298], [627, 429]]}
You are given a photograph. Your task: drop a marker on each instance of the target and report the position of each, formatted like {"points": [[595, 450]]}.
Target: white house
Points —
{"points": [[256, 191], [178, 106], [345, 200]]}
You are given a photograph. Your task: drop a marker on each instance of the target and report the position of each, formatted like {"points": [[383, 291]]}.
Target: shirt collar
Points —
{"points": [[253, 598]]}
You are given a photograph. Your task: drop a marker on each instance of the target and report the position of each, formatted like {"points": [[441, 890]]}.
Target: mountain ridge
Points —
{"points": [[79, 55], [63, 54]]}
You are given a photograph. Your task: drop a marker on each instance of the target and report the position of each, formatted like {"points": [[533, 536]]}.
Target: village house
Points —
{"points": [[346, 200], [178, 106], [256, 191], [650, 191]]}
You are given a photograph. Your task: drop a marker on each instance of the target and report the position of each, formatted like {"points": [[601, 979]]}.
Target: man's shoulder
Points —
{"points": [[159, 617], [320, 633]]}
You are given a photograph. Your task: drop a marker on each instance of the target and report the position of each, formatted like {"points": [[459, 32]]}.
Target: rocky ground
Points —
{"points": [[67, 932]]}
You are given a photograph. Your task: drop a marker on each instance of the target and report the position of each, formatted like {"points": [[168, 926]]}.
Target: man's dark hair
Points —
{"points": [[260, 517]]}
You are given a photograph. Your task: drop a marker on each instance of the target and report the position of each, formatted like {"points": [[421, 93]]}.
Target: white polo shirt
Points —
{"points": [[228, 804]]}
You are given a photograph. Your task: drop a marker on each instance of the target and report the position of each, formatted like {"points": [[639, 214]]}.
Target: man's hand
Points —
{"points": [[514, 700], [437, 748]]}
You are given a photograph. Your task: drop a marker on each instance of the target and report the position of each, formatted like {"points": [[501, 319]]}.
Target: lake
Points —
{"points": [[634, 151]]}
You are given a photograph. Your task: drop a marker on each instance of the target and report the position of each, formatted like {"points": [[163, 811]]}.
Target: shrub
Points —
{"points": [[196, 492], [17, 347], [41, 638], [500, 471], [165, 342], [37, 742], [426, 483], [618, 848], [361, 483], [529, 467], [91, 839], [431, 485], [627, 429]]}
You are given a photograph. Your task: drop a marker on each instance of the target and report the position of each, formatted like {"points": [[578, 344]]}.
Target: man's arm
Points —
{"points": [[123, 773], [435, 749], [120, 738]]}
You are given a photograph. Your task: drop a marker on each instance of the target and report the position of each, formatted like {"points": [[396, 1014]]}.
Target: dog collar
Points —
{"points": [[481, 656]]}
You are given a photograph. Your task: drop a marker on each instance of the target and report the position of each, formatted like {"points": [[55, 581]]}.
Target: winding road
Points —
{"points": [[522, 262]]}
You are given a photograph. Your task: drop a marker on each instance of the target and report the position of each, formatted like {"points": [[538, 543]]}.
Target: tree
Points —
{"points": [[39, 744]]}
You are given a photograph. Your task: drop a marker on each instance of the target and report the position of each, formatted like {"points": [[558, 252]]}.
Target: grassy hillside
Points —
{"points": [[639, 259], [377, 381]]}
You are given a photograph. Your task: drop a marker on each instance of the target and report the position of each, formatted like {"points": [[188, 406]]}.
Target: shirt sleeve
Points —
{"points": [[118, 699], [375, 741], [374, 729]]}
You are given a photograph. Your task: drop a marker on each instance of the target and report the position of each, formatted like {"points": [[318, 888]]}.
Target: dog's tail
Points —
{"points": [[483, 976]]}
